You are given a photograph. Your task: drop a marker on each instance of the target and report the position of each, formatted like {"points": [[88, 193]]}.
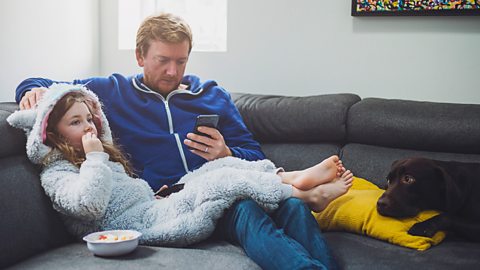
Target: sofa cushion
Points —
{"points": [[209, 256], [319, 118], [354, 251], [427, 126]]}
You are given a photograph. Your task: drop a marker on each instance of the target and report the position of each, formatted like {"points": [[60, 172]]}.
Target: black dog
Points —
{"points": [[453, 188]]}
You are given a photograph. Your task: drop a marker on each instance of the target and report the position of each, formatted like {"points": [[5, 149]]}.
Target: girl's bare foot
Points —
{"points": [[321, 173], [319, 197]]}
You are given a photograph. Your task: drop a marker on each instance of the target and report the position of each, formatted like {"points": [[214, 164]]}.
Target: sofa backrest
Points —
{"points": [[427, 126], [29, 224], [307, 119], [368, 134]]}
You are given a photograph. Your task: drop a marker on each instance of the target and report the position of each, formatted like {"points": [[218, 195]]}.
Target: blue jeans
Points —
{"points": [[288, 238]]}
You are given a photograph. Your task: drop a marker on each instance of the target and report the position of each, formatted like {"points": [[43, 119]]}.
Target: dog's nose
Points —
{"points": [[382, 204]]}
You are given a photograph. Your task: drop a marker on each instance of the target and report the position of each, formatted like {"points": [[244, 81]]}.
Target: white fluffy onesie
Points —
{"points": [[101, 196]]}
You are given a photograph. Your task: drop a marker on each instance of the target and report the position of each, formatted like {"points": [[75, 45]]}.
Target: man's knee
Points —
{"points": [[240, 218], [244, 206], [245, 211], [294, 206], [234, 222], [293, 202]]}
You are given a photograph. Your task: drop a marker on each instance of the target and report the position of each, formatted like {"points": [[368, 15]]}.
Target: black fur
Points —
{"points": [[453, 188]]}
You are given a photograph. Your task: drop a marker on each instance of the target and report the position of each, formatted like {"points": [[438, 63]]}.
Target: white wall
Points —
{"points": [[49, 38], [302, 47], [309, 47]]}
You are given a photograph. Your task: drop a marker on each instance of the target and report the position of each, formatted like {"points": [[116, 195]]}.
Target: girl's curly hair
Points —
{"points": [[57, 141]]}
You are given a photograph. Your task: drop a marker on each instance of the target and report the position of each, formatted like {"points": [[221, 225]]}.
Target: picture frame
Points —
{"points": [[415, 7]]}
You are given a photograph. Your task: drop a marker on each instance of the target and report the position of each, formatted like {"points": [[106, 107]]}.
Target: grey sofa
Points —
{"points": [[295, 132]]}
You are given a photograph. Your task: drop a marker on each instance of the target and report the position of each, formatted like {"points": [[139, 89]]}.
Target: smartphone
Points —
{"points": [[207, 120], [170, 190]]}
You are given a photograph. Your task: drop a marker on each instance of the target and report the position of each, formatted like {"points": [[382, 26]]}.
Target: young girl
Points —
{"points": [[91, 184]]}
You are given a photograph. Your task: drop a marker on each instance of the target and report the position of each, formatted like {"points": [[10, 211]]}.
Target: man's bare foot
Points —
{"points": [[319, 197], [321, 173]]}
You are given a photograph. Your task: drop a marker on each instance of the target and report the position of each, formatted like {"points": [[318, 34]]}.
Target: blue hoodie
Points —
{"points": [[151, 128]]}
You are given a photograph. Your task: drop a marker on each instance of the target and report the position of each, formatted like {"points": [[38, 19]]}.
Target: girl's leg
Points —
{"points": [[294, 217], [248, 225], [321, 173]]}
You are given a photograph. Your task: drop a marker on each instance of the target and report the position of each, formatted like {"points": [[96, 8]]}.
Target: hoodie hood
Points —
{"points": [[195, 86], [34, 121]]}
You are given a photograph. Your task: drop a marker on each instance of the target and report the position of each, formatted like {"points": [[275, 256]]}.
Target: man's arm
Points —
{"points": [[237, 136], [30, 90]]}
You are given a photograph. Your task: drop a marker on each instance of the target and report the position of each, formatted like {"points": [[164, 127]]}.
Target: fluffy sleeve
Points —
{"points": [[81, 193]]}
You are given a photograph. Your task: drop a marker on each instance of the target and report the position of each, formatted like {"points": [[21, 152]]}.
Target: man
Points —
{"points": [[153, 115]]}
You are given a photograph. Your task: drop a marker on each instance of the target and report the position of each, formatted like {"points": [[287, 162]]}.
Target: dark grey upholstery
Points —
{"points": [[296, 119], [428, 126], [295, 132], [29, 224], [376, 133]]}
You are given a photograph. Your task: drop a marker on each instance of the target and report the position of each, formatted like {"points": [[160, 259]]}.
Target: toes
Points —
{"points": [[347, 176]]}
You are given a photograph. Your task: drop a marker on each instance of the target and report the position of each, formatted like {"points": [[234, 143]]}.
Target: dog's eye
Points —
{"points": [[408, 179]]}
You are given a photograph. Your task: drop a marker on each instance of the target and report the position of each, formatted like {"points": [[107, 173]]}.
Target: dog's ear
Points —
{"points": [[453, 193], [399, 163], [396, 166], [396, 163]]}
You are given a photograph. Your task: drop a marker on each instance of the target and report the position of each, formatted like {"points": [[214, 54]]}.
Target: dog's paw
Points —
{"points": [[426, 229], [430, 227]]}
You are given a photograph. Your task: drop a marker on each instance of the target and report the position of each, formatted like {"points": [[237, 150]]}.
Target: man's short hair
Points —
{"points": [[164, 27]]}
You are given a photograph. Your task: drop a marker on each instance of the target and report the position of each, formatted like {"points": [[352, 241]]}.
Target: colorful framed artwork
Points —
{"points": [[415, 7]]}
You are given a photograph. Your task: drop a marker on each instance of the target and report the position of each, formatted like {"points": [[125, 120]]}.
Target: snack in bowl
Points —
{"points": [[112, 243], [112, 237]]}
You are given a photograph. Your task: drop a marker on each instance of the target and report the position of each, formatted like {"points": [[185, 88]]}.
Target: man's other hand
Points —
{"points": [[31, 98]]}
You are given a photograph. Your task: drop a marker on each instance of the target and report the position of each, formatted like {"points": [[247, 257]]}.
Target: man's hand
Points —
{"points": [[31, 98], [208, 148], [91, 143]]}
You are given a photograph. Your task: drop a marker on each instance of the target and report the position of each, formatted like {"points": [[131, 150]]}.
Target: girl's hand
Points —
{"points": [[91, 143]]}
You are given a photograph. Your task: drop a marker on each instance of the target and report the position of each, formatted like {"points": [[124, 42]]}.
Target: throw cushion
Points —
{"points": [[356, 212]]}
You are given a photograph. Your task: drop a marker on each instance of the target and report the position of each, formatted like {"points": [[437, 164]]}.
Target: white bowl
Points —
{"points": [[112, 247]]}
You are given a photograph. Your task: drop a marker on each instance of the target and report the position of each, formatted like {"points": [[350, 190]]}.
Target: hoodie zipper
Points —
{"points": [[169, 115]]}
